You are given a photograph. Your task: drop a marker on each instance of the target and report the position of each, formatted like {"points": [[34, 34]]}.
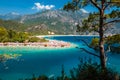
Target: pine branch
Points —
{"points": [[82, 41], [111, 22]]}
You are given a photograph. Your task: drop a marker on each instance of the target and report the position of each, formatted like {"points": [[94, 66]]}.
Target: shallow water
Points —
{"points": [[48, 61]]}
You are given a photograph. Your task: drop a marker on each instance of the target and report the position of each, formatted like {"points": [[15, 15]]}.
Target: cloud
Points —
{"points": [[15, 13], [39, 6], [84, 11]]}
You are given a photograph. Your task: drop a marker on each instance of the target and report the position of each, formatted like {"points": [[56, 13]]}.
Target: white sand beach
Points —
{"points": [[50, 43]]}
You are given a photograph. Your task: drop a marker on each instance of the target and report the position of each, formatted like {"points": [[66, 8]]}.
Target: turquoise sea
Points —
{"points": [[48, 61]]}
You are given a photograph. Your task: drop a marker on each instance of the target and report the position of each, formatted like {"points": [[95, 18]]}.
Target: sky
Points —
{"points": [[33, 6]]}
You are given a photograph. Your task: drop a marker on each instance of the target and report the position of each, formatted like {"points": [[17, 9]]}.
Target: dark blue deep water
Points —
{"points": [[48, 61]]}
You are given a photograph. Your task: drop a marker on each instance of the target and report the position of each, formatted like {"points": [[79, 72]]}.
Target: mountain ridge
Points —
{"points": [[54, 22]]}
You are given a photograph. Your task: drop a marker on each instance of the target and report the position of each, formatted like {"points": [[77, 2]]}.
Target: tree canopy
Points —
{"points": [[3, 31], [14, 36]]}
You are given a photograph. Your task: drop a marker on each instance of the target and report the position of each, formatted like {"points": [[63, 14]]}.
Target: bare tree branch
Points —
{"points": [[89, 52], [111, 22], [82, 41], [106, 6], [85, 49], [86, 43], [95, 4]]}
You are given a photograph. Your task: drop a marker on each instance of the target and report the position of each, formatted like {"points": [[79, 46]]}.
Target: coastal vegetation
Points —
{"points": [[4, 57], [36, 39], [14, 36]]}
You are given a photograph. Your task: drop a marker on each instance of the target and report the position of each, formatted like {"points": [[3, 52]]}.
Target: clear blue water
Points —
{"points": [[48, 61]]}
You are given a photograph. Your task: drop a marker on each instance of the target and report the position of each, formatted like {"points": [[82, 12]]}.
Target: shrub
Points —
{"points": [[92, 71], [34, 39], [113, 39], [95, 43], [43, 40]]}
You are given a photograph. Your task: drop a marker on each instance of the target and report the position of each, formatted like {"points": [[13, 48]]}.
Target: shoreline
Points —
{"points": [[40, 36], [49, 44]]}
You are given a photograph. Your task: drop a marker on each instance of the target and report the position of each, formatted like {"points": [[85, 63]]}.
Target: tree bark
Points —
{"points": [[101, 41]]}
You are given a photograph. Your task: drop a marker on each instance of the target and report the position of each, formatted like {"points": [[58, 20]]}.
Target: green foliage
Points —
{"points": [[75, 5], [43, 40], [88, 70], [43, 77], [3, 32], [13, 36], [95, 43], [114, 43], [89, 24], [109, 41], [11, 33], [34, 39], [69, 6], [17, 36], [115, 14], [113, 39]]}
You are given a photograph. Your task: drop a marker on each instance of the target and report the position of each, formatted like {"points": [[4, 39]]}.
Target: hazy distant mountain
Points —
{"points": [[10, 16], [56, 14]]}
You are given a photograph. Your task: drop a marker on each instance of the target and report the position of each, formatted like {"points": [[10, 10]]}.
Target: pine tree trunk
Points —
{"points": [[101, 41]]}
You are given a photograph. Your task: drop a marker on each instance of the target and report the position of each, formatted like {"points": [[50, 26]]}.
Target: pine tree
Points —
{"points": [[99, 20]]}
